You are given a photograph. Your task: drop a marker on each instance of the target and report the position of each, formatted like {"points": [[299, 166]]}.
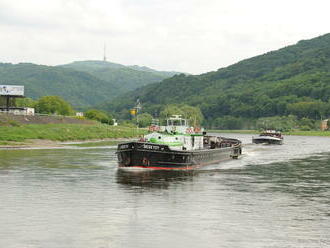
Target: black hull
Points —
{"points": [[154, 156], [267, 141]]}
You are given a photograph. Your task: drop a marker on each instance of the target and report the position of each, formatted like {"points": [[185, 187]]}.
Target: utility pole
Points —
{"points": [[138, 108]]}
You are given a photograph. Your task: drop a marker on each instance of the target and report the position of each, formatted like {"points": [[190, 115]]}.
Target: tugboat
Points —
{"points": [[177, 146], [269, 137]]}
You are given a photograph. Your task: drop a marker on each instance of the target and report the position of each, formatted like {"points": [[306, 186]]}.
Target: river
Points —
{"points": [[273, 196]]}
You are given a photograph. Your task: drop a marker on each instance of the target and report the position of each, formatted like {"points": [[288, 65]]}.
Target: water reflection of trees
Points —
{"points": [[153, 178]]}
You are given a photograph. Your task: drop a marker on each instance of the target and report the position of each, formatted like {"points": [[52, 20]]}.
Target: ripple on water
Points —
{"points": [[273, 196]]}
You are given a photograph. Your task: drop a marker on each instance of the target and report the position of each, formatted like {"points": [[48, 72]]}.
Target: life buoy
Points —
{"points": [[189, 130], [154, 128]]}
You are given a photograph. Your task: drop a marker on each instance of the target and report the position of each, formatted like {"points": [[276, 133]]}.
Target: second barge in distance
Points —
{"points": [[177, 146], [269, 137]]}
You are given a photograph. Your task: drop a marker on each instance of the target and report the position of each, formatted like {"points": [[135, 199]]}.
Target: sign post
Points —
{"points": [[11, 91]]}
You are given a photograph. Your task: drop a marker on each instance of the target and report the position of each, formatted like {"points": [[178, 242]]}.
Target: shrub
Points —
{"points": [[53, 105], [94, 114]]}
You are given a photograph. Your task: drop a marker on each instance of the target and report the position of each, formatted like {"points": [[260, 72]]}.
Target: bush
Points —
{"points": [[144, 120], [305, 128], [94, 114], [280, 123], [53, 105], [127, 123]]}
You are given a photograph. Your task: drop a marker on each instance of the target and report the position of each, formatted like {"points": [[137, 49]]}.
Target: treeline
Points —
{"points": [[227, 122], [281, 123], [55, 105], [192, 114]]}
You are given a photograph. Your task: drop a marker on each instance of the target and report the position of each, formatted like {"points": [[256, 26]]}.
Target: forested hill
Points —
{"points": [[292, 80], [83, 83], [124, 78], [79, 88]]}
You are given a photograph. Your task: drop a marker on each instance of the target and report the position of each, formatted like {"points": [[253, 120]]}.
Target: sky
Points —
{"points": [[192, 36]]}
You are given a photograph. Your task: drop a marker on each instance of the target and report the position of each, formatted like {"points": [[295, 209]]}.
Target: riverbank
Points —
{"points": [[38, 135], [234, 131], [296, 132]]}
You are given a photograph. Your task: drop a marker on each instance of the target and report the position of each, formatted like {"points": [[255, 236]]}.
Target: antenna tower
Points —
{"points": [[104, 53]]}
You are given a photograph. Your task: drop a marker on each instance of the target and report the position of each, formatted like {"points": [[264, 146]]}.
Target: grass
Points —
{"points": [[308, 133], [98, 143], [65, 132]]}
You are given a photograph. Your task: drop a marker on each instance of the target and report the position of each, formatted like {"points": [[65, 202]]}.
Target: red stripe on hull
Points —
{"points": [[171, 168], [161, 168]]}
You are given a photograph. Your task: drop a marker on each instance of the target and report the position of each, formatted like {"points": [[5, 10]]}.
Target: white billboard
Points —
{"points": [[11, 90]]}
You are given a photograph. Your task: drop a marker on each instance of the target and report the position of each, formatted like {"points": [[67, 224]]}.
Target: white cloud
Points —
{"points": [[185, 35]]}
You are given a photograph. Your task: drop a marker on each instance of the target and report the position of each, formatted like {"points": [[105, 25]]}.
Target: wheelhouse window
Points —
{"points": [[180, 122]]}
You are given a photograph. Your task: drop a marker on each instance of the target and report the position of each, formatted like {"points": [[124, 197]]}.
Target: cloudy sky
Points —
{"points": [[194, 36]]}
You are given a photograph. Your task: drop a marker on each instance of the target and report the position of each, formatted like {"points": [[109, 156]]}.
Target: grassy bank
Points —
{"points": [[65, 132], [96, 143], [308, 133], [295, 132]]}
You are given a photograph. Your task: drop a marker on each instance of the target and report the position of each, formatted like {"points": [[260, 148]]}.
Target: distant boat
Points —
{"points": [[177, 146], [268, 137]]}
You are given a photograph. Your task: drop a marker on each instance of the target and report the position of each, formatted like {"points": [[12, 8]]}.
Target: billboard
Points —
{"points": [[11, 90]]}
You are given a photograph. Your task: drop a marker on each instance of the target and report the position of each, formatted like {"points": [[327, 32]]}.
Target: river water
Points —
{"points": [[273, 196]]}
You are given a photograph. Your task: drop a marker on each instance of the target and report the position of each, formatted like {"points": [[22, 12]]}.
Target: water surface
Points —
{"points": [[273, 196]]}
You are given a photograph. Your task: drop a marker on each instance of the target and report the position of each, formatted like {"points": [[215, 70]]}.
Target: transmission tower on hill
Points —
{"points": [[104, 53]]}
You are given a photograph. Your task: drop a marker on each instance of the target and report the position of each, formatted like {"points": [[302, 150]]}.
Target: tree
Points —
{"points": [[25, 102], [53, 105], [309, 109], [193, 114], [144, 120], [228, 122], [281, 123], [98, 115]]}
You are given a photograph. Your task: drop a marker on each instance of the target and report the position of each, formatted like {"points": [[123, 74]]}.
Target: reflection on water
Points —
{"points": [[273, 196], [153, 178]]}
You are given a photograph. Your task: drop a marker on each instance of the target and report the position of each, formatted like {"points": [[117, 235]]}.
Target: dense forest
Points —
{"points": [[76, 87], [292, 81], [83, 83], [123, 78]]}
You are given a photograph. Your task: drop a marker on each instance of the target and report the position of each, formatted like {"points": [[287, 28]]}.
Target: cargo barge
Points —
{"points": [[177, 146]]}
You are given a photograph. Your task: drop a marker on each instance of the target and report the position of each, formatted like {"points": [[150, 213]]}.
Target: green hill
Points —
{"points": [[293, 80], [83, 84], [79, 88], [124, 78]]}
